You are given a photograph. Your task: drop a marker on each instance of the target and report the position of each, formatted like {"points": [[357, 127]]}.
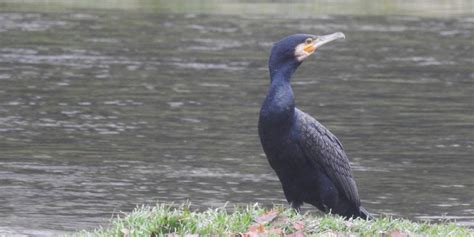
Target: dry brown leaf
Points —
{"points": [[298, 233], [257, 228], [397, 233], [298, 225], [280, 221], [267, 217]]}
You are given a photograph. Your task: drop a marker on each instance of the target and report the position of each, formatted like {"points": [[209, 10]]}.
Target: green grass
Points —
{"points": [[164, 219]]}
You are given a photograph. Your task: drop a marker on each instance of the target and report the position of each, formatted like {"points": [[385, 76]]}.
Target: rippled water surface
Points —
{"points": [[101, 111]]}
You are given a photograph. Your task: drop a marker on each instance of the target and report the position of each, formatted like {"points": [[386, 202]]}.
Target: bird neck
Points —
{"points": [[284, 71], [279, 106]]}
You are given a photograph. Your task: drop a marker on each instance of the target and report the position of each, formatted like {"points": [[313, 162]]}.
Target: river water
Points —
{"points": [[105, 109]]}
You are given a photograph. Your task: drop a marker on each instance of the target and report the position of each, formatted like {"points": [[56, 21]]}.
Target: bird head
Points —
{"points": [[289, 52]]}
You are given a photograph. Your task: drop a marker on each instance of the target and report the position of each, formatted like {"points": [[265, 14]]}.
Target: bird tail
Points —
{"points": [[364, 214]]}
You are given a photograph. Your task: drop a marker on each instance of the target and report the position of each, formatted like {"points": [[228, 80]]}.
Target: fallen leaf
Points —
{"points": [[397, 233], [267, 217], [298, 225], [298, 233], [280, 221], [257, 228]]}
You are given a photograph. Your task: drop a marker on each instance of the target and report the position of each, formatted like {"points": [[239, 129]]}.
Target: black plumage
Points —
{"points": [[307, 158]]}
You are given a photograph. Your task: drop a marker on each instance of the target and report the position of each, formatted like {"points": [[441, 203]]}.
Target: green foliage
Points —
{"points": [[164, 219]]}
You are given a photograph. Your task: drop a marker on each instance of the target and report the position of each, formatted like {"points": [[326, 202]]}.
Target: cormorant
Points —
{"points": [[308, 159]]}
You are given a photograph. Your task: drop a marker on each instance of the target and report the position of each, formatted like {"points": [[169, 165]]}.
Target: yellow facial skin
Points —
{"points": [[309, 46], [305, 49]]}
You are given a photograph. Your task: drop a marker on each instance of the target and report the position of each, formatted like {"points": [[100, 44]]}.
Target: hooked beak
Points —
{"points": [[322, 40]]}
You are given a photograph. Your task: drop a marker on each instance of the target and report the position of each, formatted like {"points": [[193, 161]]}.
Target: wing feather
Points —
{"points": [[323, 149]]}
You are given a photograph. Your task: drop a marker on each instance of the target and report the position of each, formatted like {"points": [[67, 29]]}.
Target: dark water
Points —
{"points": [[103, 110]]}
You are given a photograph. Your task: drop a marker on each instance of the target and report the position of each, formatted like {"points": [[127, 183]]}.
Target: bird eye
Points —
{"points": [[309, 41]]}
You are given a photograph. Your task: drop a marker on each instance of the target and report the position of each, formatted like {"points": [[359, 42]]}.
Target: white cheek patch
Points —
{"points": [[300, 53]]}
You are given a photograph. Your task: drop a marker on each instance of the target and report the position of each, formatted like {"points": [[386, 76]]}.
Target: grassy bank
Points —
{"points": [[163, 220]]}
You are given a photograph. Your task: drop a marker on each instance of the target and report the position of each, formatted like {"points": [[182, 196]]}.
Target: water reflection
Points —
{"points": [[101, 112], [280, 8]]}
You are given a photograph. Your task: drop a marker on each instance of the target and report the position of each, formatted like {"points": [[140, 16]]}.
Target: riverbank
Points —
{"points": [[253, 220]]}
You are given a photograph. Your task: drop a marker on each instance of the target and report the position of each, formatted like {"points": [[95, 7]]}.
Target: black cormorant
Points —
{"points": [[308, 159]]}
